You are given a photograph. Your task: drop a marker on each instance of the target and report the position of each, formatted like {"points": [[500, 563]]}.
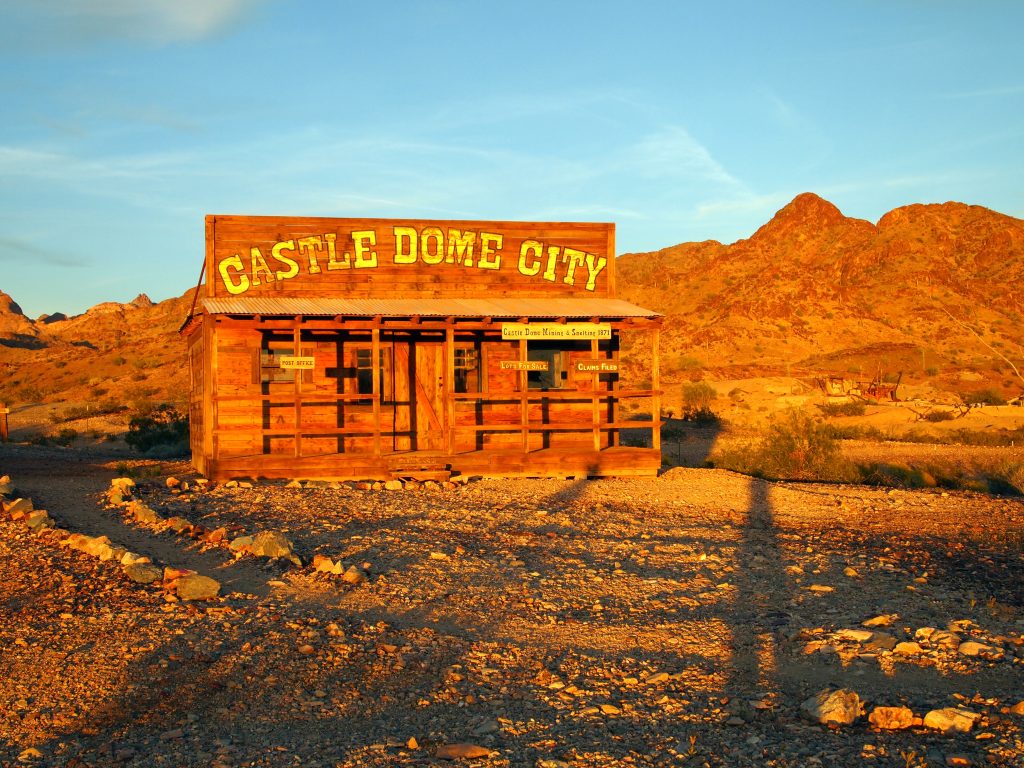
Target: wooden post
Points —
{"points": [[297, 346], [375, 368], [4, 434], [449, 386], [211, 383], [656, 386], [613, 390], [524, 398], [595, 402]]}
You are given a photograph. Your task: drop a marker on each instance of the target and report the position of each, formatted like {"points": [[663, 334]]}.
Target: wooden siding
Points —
{"points": [[314, 257]]}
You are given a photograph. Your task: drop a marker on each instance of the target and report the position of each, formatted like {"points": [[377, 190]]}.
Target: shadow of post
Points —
{"points": [[759, 614]]}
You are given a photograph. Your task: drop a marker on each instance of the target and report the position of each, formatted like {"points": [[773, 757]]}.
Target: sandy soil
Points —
{"points": [[681, 620]]}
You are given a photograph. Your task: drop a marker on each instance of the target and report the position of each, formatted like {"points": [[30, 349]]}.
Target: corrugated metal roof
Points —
{"points": [[428, 307]]}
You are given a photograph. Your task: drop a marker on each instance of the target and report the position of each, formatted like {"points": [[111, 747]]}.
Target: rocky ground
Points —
{"points": [[698, 619]]}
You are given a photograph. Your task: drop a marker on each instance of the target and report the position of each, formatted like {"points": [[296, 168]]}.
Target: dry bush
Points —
{"points": [[793, 447]]}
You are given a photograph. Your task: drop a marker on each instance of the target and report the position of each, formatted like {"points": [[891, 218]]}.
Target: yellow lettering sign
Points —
{"points": [[430, 245], [555, 331], [235, 287]]}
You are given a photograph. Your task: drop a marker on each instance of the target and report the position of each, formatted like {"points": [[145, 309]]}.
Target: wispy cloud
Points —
{"points": [[981, 93], [13, 249], [46, 24], [673, 152]]}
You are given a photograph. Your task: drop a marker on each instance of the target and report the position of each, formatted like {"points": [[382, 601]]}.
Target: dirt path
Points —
{"points": [[70, 486]]}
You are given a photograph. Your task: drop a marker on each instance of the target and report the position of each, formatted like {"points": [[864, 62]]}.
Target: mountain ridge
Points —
{"points": [[928, 290]]}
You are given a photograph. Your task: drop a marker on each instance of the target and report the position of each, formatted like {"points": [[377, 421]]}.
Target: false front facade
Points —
{"points": [[372, 349]]}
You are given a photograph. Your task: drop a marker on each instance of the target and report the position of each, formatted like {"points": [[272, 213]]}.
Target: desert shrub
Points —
{"points": [[932, 371], [983, 396], [163, 431], [698, 395], [936, 416], [30, 394], [1012, 475], [897, 475], [794, 447], [65, 437], [852, 408]]}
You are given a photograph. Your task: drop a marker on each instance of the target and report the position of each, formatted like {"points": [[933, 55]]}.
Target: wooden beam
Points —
{"points": [[656, 386], [375, 369], [595, 401], [297, 346], [448, 386], [524, 401]]}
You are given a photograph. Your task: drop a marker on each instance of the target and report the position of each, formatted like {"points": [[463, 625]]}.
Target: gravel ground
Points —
{"points": [[677, 621]]}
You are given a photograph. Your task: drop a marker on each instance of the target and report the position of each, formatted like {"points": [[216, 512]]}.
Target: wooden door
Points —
{"points": [[428, 395]]}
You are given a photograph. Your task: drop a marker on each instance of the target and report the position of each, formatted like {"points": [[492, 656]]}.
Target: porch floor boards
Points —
{"points": [[545, 462]]}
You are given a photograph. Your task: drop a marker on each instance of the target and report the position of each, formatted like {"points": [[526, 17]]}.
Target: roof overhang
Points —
{"points": [[498, 308]]}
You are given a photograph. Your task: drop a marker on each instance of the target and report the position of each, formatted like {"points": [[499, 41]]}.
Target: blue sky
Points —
{"points": [[124, 122]]}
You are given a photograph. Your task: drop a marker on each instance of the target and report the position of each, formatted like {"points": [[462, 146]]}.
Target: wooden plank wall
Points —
{"points": [[256, 417]]}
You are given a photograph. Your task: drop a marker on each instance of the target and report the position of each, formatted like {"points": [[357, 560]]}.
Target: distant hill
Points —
{"points": [[814, 291], [113, 354]]}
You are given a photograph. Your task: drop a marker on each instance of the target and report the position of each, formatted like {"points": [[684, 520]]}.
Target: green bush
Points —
{"points": [[852, 408], [163, 430], [983, 396], [936, 416], [698, 395]]}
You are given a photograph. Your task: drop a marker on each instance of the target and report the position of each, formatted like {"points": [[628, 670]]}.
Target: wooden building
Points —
{"points": [[374, 348]]}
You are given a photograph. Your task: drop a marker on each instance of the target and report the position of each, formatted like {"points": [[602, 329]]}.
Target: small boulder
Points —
{"points": [[353, 576], [273, 544], [462, 751], [18, 508], [322, 564], [179, 524], [197, 587], [173, 482], [6, 486], [974, 648], [854, 635], [143, 513], [833, 707], [951, 720], [38, 520], [98, 546], [908, 648], [142, 573], [891, 718], [394, 485], [216, 536], [240, 544], [120, 490]]}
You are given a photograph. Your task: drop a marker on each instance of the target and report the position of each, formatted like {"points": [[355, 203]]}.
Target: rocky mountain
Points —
{"points": [[930, 290], [111, 356]]}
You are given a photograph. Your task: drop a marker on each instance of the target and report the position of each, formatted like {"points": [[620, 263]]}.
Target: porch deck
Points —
{"points": [[618, 461]]}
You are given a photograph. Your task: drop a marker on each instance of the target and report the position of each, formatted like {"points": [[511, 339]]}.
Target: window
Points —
{"points": [[467, 377], [556, 360], [364, 373], [270, 364]]}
